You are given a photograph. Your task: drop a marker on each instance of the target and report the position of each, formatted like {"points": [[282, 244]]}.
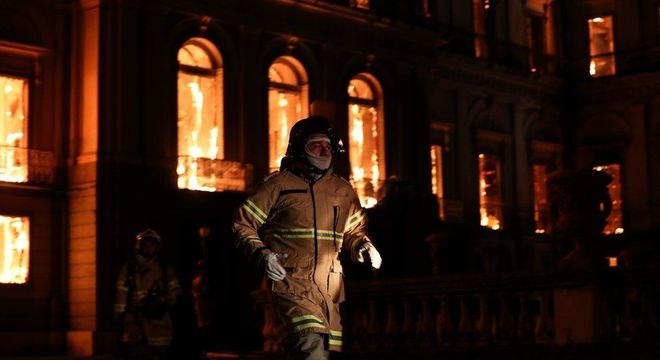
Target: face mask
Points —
{"points": [[319, 162]]}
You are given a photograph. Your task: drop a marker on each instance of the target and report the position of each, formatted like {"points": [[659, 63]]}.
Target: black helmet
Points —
{"points": [[146, 235], [308, 126]]}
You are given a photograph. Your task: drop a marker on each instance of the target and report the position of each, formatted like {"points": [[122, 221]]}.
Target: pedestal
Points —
{"points": [[580, 315]]}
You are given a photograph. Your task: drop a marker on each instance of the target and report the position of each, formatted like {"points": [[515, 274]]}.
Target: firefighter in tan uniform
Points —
{"points": [[146, 290], [294, 227]]}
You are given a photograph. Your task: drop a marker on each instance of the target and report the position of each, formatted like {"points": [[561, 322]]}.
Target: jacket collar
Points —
{"points": [[308, 172]]}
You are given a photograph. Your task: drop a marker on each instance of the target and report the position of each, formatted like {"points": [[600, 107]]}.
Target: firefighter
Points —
{"points": [[147, 288], [293, 229]]}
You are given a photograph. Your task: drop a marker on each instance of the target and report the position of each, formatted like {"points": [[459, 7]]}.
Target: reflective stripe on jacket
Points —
{"points": [[311, 223]]}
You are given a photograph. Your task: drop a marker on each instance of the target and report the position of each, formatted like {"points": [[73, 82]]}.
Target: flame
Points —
{"points": [[592, 68], [284, 128], [614, 221], [488, 219], [365, 174], [188, 168], [213, 143], [14, 249]]}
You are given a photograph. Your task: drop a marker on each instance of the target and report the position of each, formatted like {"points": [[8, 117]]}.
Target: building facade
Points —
{"points": [[123, 115]]}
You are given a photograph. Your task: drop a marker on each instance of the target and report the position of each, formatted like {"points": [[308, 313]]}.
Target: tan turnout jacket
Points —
{"points": [[134, 283], [311, 223]]}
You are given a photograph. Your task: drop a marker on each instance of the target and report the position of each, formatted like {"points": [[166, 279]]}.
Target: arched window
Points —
{"points": [[288, 99], [200, 115], [366, 137]]}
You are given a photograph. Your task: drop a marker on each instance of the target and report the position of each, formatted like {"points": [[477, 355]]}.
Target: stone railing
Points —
{"points": [[23, 165], [199, 173], [444, 311], [509, 309]]}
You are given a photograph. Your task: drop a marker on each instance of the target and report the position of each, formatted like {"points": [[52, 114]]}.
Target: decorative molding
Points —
{"points": [[89, 4], [632, 88], [8, 47], [442, 126], [546, 146], [461, 71]]}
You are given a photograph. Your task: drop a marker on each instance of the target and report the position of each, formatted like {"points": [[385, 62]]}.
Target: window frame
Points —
{"points": [[378, 102], [302, 89], [216, 72], [611, 54]]}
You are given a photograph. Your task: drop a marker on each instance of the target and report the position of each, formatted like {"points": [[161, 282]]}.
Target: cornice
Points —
{"points": [[309, 20], [462, 71], [635, 88]]}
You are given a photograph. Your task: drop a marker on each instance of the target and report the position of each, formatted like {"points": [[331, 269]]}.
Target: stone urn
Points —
{"points": [[580, 204]]}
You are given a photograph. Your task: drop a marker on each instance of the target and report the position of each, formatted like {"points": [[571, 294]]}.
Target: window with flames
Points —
{"points": [[480, 13], [361, 4], [13, 129], [437, 187], [14, 249], [288, 99], [542, 221], [200, 122], [601, 47], [366, 137], [490, 192], [615, 220]]}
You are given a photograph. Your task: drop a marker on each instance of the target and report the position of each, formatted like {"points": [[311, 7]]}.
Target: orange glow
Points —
{"points": [[361, 4], [615, 220], [541, 209], [201, 122], [365, 145], [436, 178], [490, 195], [601, 47], [287, 103], [13, 129], [613, 261], [479, 9], [14, 249]]}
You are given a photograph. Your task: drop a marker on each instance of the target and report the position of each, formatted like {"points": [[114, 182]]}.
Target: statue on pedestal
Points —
{"points": [[580, 204]]}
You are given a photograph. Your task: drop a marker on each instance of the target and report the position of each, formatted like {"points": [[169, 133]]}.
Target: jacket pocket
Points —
{"points": [[336, 282], [298, 271]]}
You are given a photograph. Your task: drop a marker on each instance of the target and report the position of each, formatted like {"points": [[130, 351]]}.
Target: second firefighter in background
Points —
{"points": [[294, 227]]}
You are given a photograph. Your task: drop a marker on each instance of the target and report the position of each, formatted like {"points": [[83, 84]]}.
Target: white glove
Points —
{"points": [[372, 254], [274, 269]]}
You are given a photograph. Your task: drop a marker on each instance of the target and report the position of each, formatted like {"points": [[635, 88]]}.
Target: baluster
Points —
{"points": [[651, 308], [444, 327], [270, 328], [484, 322], [465, 321], [426, 326], [505, 321], [391, 325], [409, 320], [543, 329], [624, 324], [373, 329], [525, 331], [635, 307], [358, 324]]}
